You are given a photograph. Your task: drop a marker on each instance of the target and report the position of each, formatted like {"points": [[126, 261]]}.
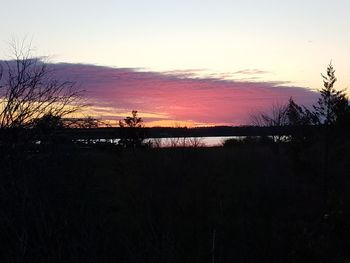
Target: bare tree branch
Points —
{"points": [[29, 90]]}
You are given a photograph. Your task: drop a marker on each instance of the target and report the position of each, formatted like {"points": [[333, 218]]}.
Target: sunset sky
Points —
{"points": [[185, 61]]}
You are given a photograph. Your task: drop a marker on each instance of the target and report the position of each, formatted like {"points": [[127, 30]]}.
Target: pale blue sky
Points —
{"points": [[293, 40]]}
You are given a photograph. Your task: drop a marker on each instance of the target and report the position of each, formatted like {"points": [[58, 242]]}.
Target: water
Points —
{"points": [[191, 141], [179, 141], [173, 142]]}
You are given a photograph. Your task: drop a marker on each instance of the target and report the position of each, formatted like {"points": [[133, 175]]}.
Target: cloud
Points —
{"points": [[251, 72], [179, 95]]}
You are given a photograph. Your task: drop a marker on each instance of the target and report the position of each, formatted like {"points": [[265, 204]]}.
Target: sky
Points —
{"points": [[269, 45]]}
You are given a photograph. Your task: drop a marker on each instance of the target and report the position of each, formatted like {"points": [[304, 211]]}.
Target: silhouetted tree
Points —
{"points": [[275, 117], [332, 111], [84, 123], [298, 115], [29, 91], [132, 133], [195, 142], [48, 122], [333, 105], [281, 115], [299, 120], [45, 129], [290, 114], [132, 122]]}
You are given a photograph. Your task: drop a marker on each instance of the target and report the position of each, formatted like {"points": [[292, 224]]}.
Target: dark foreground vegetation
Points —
{"points": [[283, 198], [252, 202]]}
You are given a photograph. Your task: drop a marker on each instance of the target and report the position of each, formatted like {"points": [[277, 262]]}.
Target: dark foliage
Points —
{"points": [[131, 133], [71, 203], [333, 106]]}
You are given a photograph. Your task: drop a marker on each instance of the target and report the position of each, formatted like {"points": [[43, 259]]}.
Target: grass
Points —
{"points": [[245, 203]]}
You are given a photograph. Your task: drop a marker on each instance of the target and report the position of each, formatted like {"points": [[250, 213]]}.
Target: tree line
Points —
{"points": [[331, 109]]}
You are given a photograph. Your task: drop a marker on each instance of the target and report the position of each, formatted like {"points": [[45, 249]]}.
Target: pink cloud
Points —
{"points": [[180, 95]]}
